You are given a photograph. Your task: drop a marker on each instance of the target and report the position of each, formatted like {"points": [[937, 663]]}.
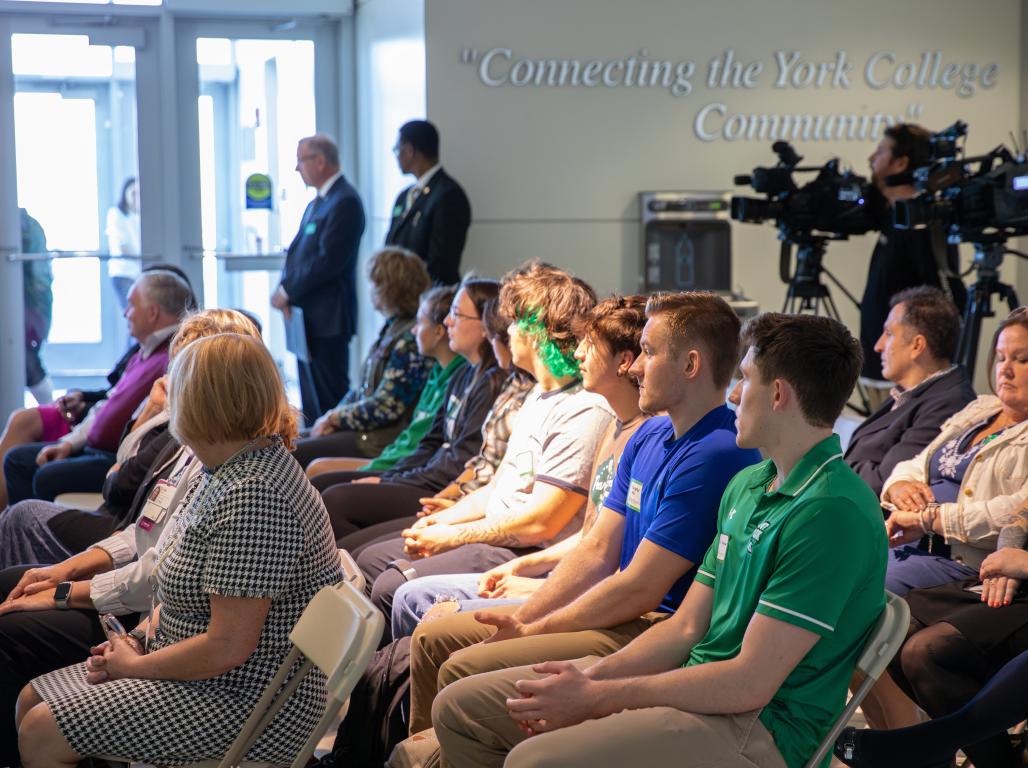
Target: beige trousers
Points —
{"points": [[475, 731], [449, 648]]}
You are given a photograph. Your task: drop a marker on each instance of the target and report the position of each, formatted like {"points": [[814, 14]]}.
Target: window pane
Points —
{"points": [[99, 2], [61, 56], [55, 138], [78, 321]]}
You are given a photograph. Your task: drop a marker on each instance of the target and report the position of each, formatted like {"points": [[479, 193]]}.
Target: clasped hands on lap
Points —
{"points": [[912, 517]]}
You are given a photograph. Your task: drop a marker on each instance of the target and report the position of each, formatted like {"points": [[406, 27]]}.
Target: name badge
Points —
{"points": [[722, 546], [310, 228], [157, 505], [635, 494], [525, 464]]}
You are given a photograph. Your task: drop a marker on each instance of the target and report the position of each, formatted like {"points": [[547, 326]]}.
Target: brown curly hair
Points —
{"points": [[400, 277], [554, 298]]}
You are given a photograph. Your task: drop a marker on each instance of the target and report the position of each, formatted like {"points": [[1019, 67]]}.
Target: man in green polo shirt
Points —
{"points": [[753, 668]]}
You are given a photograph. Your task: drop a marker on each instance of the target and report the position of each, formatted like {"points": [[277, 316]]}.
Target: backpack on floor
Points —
{"points": [[377, 718]]}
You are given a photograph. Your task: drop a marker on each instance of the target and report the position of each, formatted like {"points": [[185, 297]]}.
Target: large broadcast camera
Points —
{"points": [[833, 206], [980, 200]]}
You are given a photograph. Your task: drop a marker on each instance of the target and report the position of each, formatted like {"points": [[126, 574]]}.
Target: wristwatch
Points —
{"points": [[404, 567], [61, 595]]}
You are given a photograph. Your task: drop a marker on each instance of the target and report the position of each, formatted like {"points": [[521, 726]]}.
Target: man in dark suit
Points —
{"points": [[916, 345], [319, 276], [432, 216]]}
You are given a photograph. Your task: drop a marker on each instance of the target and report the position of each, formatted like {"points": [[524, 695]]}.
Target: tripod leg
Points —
{"points": [[978, 307]]}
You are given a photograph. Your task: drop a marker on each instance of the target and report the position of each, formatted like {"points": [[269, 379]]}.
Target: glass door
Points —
{"points": [[256, 94], [76, 150]]}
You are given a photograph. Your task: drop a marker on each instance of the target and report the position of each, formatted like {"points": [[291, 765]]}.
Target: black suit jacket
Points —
{"points": [[888, 437], [435, 227], [320, 271]]}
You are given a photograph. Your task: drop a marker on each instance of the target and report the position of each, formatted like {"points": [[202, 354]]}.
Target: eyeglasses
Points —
{"points": [[305, 158], [454, 314]]}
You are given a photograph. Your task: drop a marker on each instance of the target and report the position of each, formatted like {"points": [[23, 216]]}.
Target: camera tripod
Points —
{"points": [[807, 294], [987, 259]]}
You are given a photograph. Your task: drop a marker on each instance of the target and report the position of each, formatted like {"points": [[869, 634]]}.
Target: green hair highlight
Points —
{"points": [[558, 363]]}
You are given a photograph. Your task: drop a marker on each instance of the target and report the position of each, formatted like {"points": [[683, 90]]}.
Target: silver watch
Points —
{"points": [[61, 595]]}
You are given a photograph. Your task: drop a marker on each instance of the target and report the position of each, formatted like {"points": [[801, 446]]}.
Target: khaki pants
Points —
{"points": [[474, 730], [449, 649]]}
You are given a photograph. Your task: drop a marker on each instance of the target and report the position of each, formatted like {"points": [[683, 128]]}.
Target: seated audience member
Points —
{"points": [[653, 528], [79, 461], [970, 481], [430, 335], [478, 470], [454, 437], [958, 639], [609, 346], [234, 574], [1000, 705], [370, 416], [917, 346], [42, 532], [50, 422], [752, 668], [38, 634], [537, 496]]}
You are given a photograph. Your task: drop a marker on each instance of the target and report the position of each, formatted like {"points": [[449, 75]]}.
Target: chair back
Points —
{"points": [[351, 571], [887, 638], [338, 632]]}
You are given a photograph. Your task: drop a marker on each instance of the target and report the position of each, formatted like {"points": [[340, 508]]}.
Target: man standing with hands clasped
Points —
{"points": [[431, 217], [319, 278], [753, 667]]}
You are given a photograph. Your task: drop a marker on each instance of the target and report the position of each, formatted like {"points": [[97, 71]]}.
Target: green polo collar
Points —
{"points": [[806, 469]]}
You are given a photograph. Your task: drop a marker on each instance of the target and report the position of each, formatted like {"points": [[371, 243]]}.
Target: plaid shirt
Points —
{"points": [[496, 432]]}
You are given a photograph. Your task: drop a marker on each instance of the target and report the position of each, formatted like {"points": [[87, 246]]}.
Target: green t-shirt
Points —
{"points": [[812, 554], [424, 414]]}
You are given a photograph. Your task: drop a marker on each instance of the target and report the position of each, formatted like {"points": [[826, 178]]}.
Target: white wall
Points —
{"points": [[390, 66], [553, 172]]}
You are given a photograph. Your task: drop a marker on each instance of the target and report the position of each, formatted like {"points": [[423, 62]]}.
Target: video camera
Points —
{"points": [[832, 204], [980, 199]]}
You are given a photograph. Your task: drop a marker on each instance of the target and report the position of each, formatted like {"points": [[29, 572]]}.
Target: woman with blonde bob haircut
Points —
{"points": [[234, 572], [224, 407]]}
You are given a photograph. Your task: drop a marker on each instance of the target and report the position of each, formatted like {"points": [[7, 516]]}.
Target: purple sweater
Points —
{"points": [[122, 401]]}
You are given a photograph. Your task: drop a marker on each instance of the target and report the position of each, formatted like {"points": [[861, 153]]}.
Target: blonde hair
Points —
{"points": [[209, 322], [226, 388]]}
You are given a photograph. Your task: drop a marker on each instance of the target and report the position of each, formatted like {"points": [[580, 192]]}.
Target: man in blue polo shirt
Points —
{"points": [[752, 669], [635, 564]]}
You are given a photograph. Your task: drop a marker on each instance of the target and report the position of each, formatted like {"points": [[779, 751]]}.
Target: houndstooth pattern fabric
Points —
{"points": [[254, 528]]}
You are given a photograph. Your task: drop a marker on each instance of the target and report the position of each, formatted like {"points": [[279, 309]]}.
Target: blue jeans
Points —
{"points": [[414, 598], [82, 473], [912, 568]]}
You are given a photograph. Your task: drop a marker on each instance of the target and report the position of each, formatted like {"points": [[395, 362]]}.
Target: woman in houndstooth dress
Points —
{"points": [[236, 571]]}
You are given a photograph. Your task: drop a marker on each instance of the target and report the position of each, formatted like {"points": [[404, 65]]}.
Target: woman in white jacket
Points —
{"points": [[971, 481]]}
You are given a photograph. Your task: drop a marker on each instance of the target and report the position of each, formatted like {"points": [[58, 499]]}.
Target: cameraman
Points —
{"points": [[902, 258]]}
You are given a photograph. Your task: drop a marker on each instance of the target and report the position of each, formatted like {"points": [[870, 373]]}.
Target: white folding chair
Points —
{"points": [[885, 642], [337, 633]]}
